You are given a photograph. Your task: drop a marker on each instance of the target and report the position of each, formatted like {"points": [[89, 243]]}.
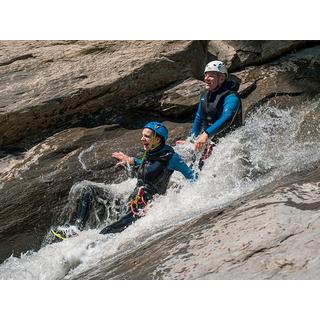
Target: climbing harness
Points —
{"points": [[208, 150], [206, 154], [137, 202]]}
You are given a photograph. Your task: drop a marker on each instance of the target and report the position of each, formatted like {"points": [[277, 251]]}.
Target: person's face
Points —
{"points": [[213, 80], [148, 140]]}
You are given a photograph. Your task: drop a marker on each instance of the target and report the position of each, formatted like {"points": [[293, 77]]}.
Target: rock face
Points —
{"points": [[66, 105], [34, 190], [272, 236], [238, 54], [47, 85], [286, 81]]}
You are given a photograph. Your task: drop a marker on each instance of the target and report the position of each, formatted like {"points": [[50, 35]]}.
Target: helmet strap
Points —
{"points": [[154, 143], [219, 78]]}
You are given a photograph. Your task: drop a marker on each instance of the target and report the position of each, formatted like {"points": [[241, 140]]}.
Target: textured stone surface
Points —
{"points": [[270, 236], [46, 85], [61, 101], [238, 54], [295, 77], [34, 189]]}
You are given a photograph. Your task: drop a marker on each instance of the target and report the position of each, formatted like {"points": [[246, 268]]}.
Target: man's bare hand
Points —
{"points": [[181, 142], [122, 158], [201, 141]]}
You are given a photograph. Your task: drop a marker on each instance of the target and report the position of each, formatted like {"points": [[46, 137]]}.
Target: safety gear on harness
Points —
{"points": [[138, 204]]}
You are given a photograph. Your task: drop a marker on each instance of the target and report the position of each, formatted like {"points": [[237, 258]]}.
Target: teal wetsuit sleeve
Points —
{"points": [[137, 162], [197, 123], [230, 108], [177, 164]]}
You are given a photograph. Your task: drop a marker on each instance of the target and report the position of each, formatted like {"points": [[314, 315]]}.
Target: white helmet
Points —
{"points": [[217, 66]]}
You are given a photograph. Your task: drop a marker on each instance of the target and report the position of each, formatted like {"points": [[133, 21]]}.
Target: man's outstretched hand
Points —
{"points": [[122, 158], [181, 142]]}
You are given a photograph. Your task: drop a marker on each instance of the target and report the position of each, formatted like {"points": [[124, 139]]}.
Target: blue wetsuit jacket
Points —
{"points": [[230, 107], [174, 164]]}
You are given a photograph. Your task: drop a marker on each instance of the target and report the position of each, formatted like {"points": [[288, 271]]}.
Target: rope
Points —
{"points": [[155, 144], [208, 151], [138, 201]]}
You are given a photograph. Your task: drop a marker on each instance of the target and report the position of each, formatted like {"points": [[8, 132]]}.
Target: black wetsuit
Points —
{"points": [[153, 175]]}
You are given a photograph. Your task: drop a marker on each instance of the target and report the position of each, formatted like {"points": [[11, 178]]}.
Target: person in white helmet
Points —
{"points": [[219, 110]]}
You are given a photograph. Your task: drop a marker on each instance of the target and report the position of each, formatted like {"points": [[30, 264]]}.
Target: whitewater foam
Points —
{"points": [[271, 145]]}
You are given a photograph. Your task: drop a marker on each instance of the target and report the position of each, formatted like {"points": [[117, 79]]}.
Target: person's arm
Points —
{"points": [[197, 123], [177, 164], [230, 108]]}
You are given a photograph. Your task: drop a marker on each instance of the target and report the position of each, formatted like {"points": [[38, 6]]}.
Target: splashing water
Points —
{"points": [[273, 143], [82, 155]]}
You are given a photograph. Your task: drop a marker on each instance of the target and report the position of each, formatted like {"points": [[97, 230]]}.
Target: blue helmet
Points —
{"points": [[159, 128]]}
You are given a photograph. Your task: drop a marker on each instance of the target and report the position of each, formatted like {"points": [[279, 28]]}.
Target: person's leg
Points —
{"points": [[120, 225], [84, 206], [131, 211], [93, 205]]}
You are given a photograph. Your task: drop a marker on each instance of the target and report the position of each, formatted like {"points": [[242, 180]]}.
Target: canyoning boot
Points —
{"points": [[63, 232], [58, 234], [79, 224]]}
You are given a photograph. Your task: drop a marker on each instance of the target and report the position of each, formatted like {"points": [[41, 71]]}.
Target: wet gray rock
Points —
{"points": [[286, 81], [267, 236], [34, 189], [66, 105], [47, 86], [182, 99], [238, 54], [177, 101]]}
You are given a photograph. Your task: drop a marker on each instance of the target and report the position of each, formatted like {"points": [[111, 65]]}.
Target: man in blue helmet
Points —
{"points": [[219, 110], [154, 170]]}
